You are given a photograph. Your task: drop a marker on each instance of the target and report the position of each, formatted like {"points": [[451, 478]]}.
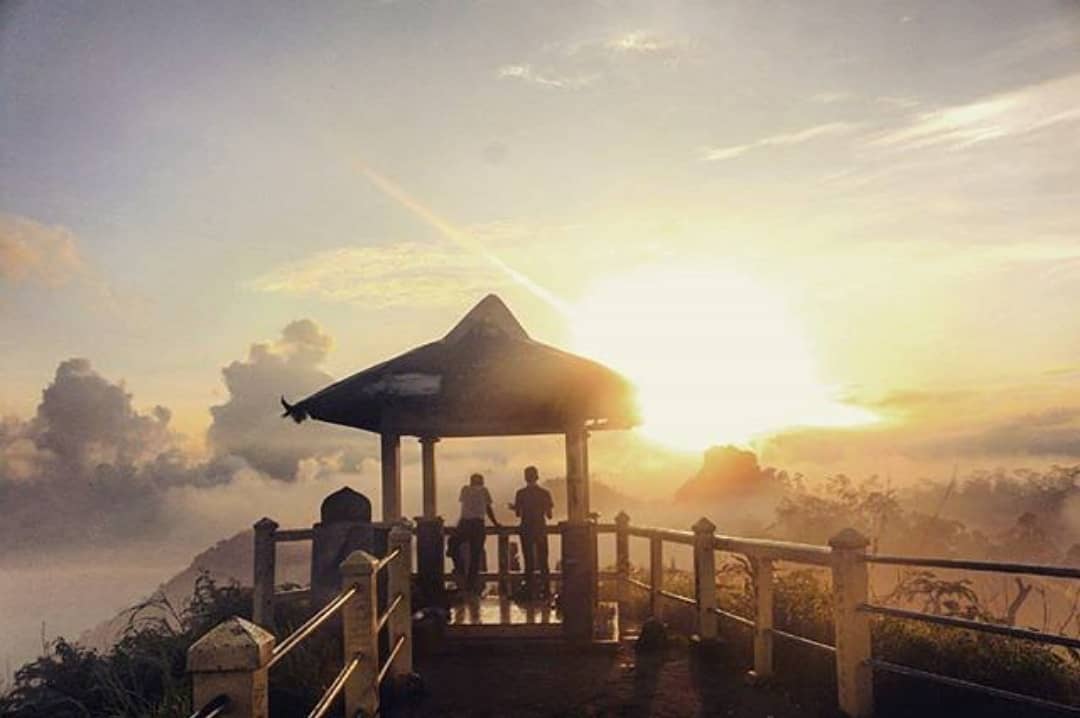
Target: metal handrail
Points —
{"points": [[733, 617], [1011, 631], [385, 560], [677, 597], [969, 685], [214, 707], [780, 550], [1030, 569], [390, 658], [388, 613], [335, 688], [802, 640], [286, 535], [670, 535], [310, 625], [640, 584]]}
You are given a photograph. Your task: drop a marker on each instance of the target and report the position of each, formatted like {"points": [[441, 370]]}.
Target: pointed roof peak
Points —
{"points": [[490, 315]]}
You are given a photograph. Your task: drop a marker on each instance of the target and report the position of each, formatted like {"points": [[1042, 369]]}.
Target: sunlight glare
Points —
{"points": [[715, 357]]}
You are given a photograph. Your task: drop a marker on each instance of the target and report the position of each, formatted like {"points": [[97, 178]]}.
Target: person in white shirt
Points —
{"points": [[475, 504]]}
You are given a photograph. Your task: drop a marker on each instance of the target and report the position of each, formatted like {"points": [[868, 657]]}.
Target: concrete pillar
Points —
{"points": [[231, 660], [399, 583], [578, 592], [854, 678], [622, 561], [263, 574], [427, 463], [359, 618], [577, 476], [431, 561], [504, 564], [656, 576], [391, 476], [763, 616], [705, 577]]}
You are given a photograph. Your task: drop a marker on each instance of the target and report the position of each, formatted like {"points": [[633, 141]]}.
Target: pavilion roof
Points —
{"points": [[486, 377]]}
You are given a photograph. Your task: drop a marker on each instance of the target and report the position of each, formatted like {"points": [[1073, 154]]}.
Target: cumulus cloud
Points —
{"points": [[249, 424], [38, 253], [786, 139], [401, 274], [1049, 433], [90, 469]]}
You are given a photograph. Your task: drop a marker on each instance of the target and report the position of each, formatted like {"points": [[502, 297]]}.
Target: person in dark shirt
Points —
{"points": [[533, 506]]}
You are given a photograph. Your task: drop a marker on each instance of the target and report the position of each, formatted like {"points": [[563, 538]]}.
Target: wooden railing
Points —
{"points": [[848, 562], [230, 665]]}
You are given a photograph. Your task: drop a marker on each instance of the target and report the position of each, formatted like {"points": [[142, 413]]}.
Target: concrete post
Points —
{"points": [[399, 582], [391, 476], [656, 576], [431, 562], [427, 463], [263, 575], [577, 499], [854, 678], [504, 564], [231, 660], [622, 561], [763, 616], [705, 577], [578, 580], [360, 617]]}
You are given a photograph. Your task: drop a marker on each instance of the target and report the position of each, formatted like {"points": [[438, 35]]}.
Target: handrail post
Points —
{"points": [[360, 622], [854, 677], [622, 561], [231, 660], [504, 564], [263, 575], [763, 616], [656, 575], [705, 577], [399, 583]]}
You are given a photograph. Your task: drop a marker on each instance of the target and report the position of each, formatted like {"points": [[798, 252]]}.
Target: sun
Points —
{"points": [[716, 358]]}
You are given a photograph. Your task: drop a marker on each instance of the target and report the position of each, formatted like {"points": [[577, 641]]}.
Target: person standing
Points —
{"points": [[533, 506], [475, 504]]}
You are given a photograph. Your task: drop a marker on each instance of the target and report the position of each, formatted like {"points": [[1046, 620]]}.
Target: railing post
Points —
{"points": [[705, 577], [263, 577], [763, 616], [231, 660], [399, 582], [656, 575], [504, 564], [854, 677], [360, 617], [622, 561]]}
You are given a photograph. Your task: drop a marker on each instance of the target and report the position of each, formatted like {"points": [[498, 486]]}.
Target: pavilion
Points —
{"points": [[486, 377]]}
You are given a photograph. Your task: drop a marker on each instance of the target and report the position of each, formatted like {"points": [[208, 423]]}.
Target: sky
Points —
{"points": [[842, 233], [897, 178]]}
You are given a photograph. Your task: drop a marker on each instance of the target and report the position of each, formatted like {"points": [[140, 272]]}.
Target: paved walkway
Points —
{"points": [[501, 680]]}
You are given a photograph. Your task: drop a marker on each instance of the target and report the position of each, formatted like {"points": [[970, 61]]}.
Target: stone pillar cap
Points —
{"points": [[622, 518], [234, 645], [849, 539], [704, 526], [359, 563], [266, 523]]}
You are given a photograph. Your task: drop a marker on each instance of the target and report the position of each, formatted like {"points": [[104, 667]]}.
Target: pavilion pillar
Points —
{"points": [[578, 542], [430, 542], [427, 462], [391, 476]]}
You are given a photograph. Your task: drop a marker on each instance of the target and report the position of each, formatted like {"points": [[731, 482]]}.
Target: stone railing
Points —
{"points": [[230, 665]]}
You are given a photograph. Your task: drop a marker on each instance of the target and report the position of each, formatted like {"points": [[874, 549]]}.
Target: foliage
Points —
{"points": [[144, 675]]}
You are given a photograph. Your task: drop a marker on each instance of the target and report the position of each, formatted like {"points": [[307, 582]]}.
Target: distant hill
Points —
{"points": [[603, 499], [728, 472], [228, 560]]}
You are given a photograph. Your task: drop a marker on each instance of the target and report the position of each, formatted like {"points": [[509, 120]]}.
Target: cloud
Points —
{"points": [[249, 424], [1048, 433], [90, 469], [1028, 110], [32, 252], [645, 43], [546, 78], [402, 274], [830, 129]]}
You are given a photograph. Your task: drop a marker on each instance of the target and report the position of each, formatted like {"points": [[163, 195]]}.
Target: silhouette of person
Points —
{"points": [[533, 505], [475, 503]]}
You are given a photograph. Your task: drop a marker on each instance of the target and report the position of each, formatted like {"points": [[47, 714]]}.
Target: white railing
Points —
{"points": [[230, 665]]}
